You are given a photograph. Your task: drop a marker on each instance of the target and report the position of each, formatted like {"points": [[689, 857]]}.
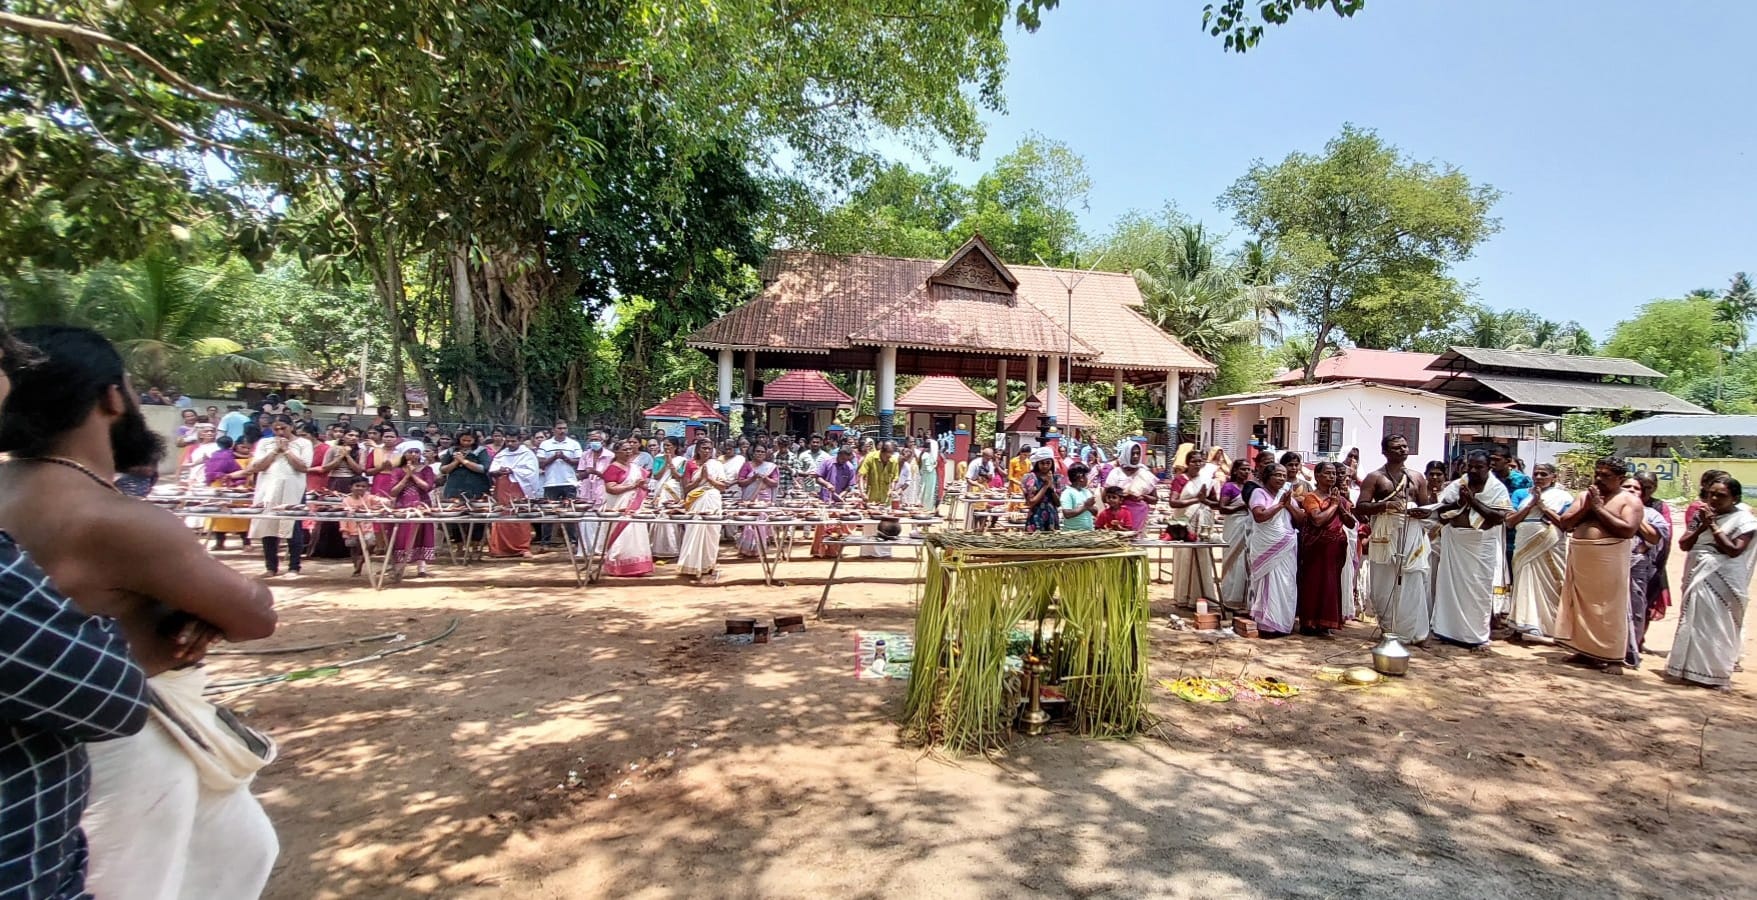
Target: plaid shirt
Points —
{"points": [[65, 678]]}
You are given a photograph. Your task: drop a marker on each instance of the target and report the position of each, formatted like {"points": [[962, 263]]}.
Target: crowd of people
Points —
{"points": [[1488, 552]]}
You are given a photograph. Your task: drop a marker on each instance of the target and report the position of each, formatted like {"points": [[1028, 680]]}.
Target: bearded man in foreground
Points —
{"points": [[171, 813]]}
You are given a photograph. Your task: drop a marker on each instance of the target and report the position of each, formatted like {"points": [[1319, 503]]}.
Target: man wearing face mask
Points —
{"points": [[171, 812], [593, 461]]}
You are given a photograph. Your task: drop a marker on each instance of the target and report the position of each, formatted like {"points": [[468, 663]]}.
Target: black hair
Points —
{"points": [[55, 385], [311, 429], [253, 433], [1078, 470], [1475, 455], [1112, 490], [1710, 476], [1434, 464], [1732, 485], [1385, 442], [224, 442], [1289, 458], [1614, 463]]}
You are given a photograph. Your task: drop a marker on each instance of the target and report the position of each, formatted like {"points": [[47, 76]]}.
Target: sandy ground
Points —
{"points": [[568, 743]]}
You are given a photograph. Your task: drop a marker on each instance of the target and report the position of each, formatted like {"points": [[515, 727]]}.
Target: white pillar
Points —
{"points": [[725, 404], [1000, 398], [1051, 398], [1116, 385], [887, 390], [1171, 401], [1031, 375]]}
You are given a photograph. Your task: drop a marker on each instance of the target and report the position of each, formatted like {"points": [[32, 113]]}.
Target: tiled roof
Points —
{"points": [[1393, 366], [803, 386], [684, 405], [819, 303], [1067, 415], [943, 392], [949, 318], [1107, 313]]}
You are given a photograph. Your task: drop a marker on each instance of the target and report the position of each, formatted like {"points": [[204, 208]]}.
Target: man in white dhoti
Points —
{"points": [[171, 815], [1717, 595], [1473, 508], [1397, 552]]}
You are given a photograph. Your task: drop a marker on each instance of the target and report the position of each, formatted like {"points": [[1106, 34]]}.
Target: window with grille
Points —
{"points": [[1406, 427], [1329, 432]]}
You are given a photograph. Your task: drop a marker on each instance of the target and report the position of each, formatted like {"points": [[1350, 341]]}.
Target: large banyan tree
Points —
{"points": [[522, 162]]}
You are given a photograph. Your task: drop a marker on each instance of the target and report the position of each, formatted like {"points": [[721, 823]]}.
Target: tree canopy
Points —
{"points": [[1364, 237]]}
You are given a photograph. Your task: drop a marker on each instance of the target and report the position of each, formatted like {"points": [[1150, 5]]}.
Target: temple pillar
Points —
{"points": [[887, 391], [1000, 399], [1031, 375], [725, 399], [1171, 406], [1052, 393]]}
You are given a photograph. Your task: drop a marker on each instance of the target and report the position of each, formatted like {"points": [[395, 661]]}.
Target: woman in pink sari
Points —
{"points": [[412, 487], [757, 483], [627, 549]]}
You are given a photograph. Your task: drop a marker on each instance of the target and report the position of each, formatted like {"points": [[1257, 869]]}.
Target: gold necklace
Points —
{"points": [[73, 464]]}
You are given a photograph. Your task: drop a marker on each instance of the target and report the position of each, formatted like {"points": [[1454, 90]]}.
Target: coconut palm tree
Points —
{"points": [[1205, 312], [1268, 301], [167, 317]]}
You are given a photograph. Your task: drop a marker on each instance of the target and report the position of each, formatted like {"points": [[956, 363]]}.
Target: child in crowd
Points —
{"points": [[359, 537], [1078, 503], [1114, 517]]}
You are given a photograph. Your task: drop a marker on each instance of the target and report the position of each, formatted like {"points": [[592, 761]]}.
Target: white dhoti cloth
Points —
{"points": [[1472, 567], [1464, 586], [159, 826], [1192, 575], [1397, 562], [1539, 560], [1235, 576]]}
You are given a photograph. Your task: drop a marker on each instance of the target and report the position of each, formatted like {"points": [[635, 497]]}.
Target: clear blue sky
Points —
{"points": [[1623, 134]]}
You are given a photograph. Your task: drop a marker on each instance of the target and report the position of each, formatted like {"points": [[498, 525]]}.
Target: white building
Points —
{"points": [[1322, 421]]}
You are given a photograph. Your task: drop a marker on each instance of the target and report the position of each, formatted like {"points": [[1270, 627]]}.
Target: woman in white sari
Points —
{"points": [[1717, 595], [757, 484], [705, 483], [1540, 552], [1235, 530], [1274, 585], [1193, 567], [628, 552], [668, 485]]}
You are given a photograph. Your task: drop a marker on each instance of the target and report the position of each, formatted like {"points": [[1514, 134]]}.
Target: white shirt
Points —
{"points": [[562, 472]]}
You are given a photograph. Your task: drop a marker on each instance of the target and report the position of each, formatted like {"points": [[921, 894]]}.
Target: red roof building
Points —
{"points": [[943, 393], [683, 406], [1024, 420], [1381, 366], [804, 387]]}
